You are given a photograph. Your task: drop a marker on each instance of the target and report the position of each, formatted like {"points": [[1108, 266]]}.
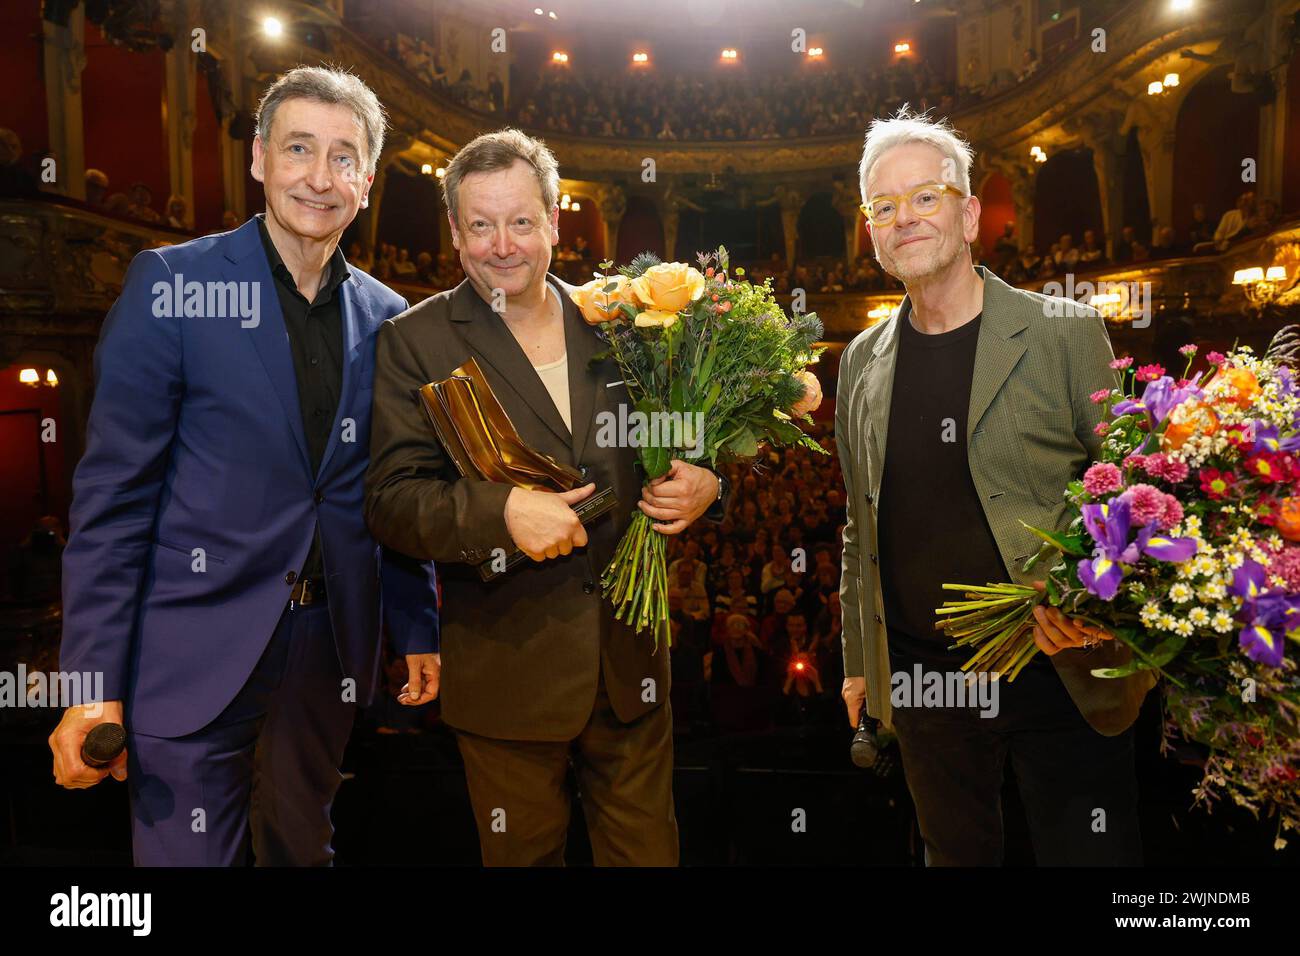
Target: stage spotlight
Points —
{"points": [[272, 28]]}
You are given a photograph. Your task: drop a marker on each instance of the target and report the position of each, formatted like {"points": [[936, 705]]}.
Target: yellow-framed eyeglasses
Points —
{"points": [[924, 200]]}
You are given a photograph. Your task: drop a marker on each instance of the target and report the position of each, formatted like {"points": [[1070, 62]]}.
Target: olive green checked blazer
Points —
{"points": [[1029, 433]]}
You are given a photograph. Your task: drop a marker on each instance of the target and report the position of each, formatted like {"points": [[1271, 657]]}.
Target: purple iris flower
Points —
{"points": [[1109, 525], [1159, 398], [1269, 618], [1248, 581], [1266, 439]]}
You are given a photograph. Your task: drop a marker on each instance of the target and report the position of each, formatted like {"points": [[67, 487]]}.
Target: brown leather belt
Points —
{"points": [[307, 592]]}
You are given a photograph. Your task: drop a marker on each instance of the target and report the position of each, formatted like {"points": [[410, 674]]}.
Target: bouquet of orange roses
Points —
{"points": [[715, 369]]}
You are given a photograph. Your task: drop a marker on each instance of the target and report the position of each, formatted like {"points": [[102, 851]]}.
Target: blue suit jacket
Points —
{"points": [[195, 441]]}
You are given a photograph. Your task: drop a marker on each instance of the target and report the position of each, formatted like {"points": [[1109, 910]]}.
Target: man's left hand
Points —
{"points": [[679, 496], [424, 673], [1056, 632]]}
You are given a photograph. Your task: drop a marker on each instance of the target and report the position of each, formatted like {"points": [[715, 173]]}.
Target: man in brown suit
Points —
{"points": [[538, 671]]}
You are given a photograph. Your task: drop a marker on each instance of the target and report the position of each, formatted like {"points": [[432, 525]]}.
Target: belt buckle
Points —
{"points": [[301, 596]]}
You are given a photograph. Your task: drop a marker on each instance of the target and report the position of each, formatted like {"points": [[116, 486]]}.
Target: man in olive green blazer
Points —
{"points": [[979, 395]]}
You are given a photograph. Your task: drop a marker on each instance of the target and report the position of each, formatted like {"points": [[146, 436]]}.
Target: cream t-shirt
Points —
{"points": [[555, 375]]}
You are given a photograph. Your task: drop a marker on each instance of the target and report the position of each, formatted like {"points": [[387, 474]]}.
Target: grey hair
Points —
{"points": [[335, 87], [907, 127], [500, 150]]}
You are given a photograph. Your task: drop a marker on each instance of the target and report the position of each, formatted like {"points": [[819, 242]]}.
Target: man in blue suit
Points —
{"points": [[219, 573]]}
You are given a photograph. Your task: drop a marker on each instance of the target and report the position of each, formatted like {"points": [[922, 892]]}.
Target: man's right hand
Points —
{"points": [[543, 524], [69, 769], [854, 693]]}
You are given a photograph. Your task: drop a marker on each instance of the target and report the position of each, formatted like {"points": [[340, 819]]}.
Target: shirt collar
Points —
{"points": [[338, 265]]}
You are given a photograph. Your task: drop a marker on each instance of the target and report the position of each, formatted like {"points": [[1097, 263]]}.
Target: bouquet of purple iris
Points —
{"points": [[1185, 546]]}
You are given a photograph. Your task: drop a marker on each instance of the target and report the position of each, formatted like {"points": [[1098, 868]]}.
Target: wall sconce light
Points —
{"points": [[1262, 286]]}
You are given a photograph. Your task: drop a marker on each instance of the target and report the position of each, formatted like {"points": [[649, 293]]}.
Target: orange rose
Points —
{"points": [[1243, 387], [812, 394], [1288, 519], [599, 306], [1190, 418], [655, 319], [669, 286]]}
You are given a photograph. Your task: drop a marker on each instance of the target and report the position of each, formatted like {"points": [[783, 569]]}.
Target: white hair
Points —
{"points": [[907, 127]]}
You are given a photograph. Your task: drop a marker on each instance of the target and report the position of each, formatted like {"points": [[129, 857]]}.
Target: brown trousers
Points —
{"points": [[625, 777]]}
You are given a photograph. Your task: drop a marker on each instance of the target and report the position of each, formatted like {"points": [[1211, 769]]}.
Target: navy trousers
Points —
{"points": [[262, 776]]}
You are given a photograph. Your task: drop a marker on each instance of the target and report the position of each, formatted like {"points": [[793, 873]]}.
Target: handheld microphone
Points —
{"points": [[865, 747], [103, 745]]}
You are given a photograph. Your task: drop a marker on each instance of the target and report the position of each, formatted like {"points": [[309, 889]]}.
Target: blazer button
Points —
{"points": [[868, 499], [320, 496], [877, 617], [291, 577], [874, 560]]}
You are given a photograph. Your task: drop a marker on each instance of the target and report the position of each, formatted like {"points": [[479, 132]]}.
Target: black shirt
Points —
{"points": [[932, 527], [316, 341]]}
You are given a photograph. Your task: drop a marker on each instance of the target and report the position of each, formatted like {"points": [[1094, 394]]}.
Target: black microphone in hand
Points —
{"points": [[103, 745], [865, 748]]}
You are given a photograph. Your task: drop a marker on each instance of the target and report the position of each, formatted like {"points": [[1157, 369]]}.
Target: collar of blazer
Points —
{"points": [[246, 260], [1006, 313], [486, 333]]}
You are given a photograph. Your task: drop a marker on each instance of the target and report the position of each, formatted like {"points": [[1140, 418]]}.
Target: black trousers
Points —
{"points": [[1078, 787], [518, 789]]}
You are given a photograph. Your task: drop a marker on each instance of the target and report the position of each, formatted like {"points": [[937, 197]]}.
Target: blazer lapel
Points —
{"points": [[354, 310], [245, 260], [877, 389], [485, 332], [582, 344], [999, 348]]}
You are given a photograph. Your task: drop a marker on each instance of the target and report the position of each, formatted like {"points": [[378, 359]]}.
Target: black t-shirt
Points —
{"points": [[932, 527]]}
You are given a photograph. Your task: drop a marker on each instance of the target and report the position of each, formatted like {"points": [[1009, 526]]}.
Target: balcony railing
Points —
{"points": [[61, 262]]}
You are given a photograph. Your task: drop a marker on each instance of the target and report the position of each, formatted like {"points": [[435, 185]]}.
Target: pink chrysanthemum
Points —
{"points": [[1215, 358], [1102, 478], [1188, 349], [1172, 513], [1161, 465], [1100, 395], [1286, 564], [1122, 363], [1146, 503], [1149, 373], [1135, 461], [1101, 428]]}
